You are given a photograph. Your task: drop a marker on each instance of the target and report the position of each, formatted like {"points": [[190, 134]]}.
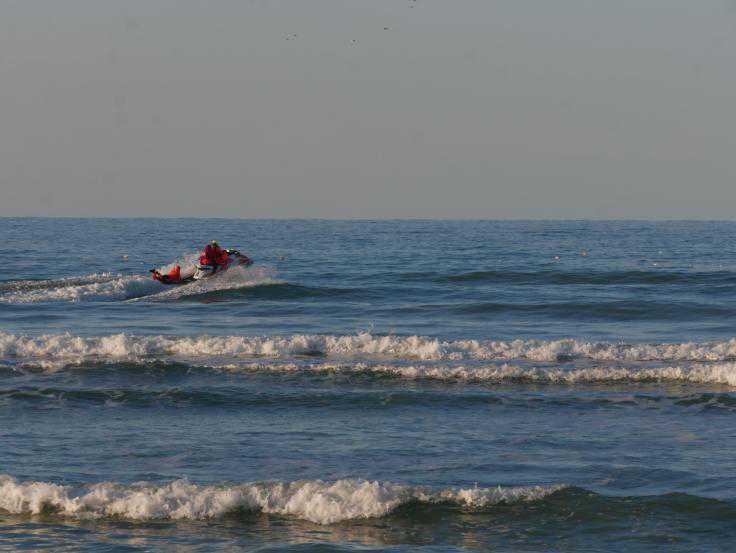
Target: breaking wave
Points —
{"points": [[313, 500], [565, 362], [697, 374], [125, 346], [708, 374]]}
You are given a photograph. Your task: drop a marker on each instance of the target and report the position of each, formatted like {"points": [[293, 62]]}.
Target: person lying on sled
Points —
{"points": [[172, 277]]}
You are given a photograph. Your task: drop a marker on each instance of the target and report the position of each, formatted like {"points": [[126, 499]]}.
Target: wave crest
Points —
{"points": [[122, 346], [314, 500]]}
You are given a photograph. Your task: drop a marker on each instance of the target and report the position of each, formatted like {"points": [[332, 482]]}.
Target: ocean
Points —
{"points": [[368, 386]]}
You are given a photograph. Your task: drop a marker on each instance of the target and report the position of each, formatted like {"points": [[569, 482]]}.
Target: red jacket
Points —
{"points": [[213, 255]]}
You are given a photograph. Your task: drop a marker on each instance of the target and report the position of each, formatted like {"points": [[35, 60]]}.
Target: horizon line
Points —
{"points": [[377, 219]]}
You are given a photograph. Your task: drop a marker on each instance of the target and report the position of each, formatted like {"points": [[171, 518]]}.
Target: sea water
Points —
{"points": [[368, 385]]}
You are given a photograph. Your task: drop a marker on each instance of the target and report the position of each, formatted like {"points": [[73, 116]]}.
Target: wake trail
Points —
{"points": [[233, 279], [27, 285], [107, 287], [84, 288]]}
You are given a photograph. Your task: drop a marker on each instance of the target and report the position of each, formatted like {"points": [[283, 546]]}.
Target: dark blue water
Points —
{"points": [[379, 385]]}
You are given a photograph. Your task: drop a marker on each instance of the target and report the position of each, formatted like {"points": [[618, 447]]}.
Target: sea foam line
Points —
{"points": [[706, 374], [718, 374], [122, 346], [312, 500]]}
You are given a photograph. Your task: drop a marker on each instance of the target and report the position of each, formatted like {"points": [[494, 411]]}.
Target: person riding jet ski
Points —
{"points": [[214, 256]]}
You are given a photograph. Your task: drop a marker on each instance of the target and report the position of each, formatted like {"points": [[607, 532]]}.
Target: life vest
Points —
{"points": [[213, 255]]}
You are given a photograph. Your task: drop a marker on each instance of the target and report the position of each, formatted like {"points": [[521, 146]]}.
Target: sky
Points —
{"points": [[491, 109]]}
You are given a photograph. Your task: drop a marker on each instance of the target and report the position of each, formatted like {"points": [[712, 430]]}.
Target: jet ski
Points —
{"points": [[198, 272]]}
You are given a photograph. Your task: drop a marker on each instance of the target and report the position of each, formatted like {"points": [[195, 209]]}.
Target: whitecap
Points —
{"points": [[313, 500], [357, 345]]}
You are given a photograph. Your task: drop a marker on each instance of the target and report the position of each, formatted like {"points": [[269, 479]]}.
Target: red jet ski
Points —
{"points": [[199, 272]]}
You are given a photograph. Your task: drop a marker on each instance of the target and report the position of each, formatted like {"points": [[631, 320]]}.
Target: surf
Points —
{"points": [[312, 500], [355, 345]]}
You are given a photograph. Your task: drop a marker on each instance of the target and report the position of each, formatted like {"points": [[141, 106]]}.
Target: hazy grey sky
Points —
{"points": [[369, 108]]}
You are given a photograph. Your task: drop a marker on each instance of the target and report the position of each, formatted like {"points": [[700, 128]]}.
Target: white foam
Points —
{"points": [[705, 374], [698, 374], [557, 350], [119, 346], [712, 374], [232, 279], [107, 289], [315, 500], [25, 285]]}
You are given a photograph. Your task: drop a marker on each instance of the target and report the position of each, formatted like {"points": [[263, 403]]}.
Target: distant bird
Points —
{"points": [[584, 253]]}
